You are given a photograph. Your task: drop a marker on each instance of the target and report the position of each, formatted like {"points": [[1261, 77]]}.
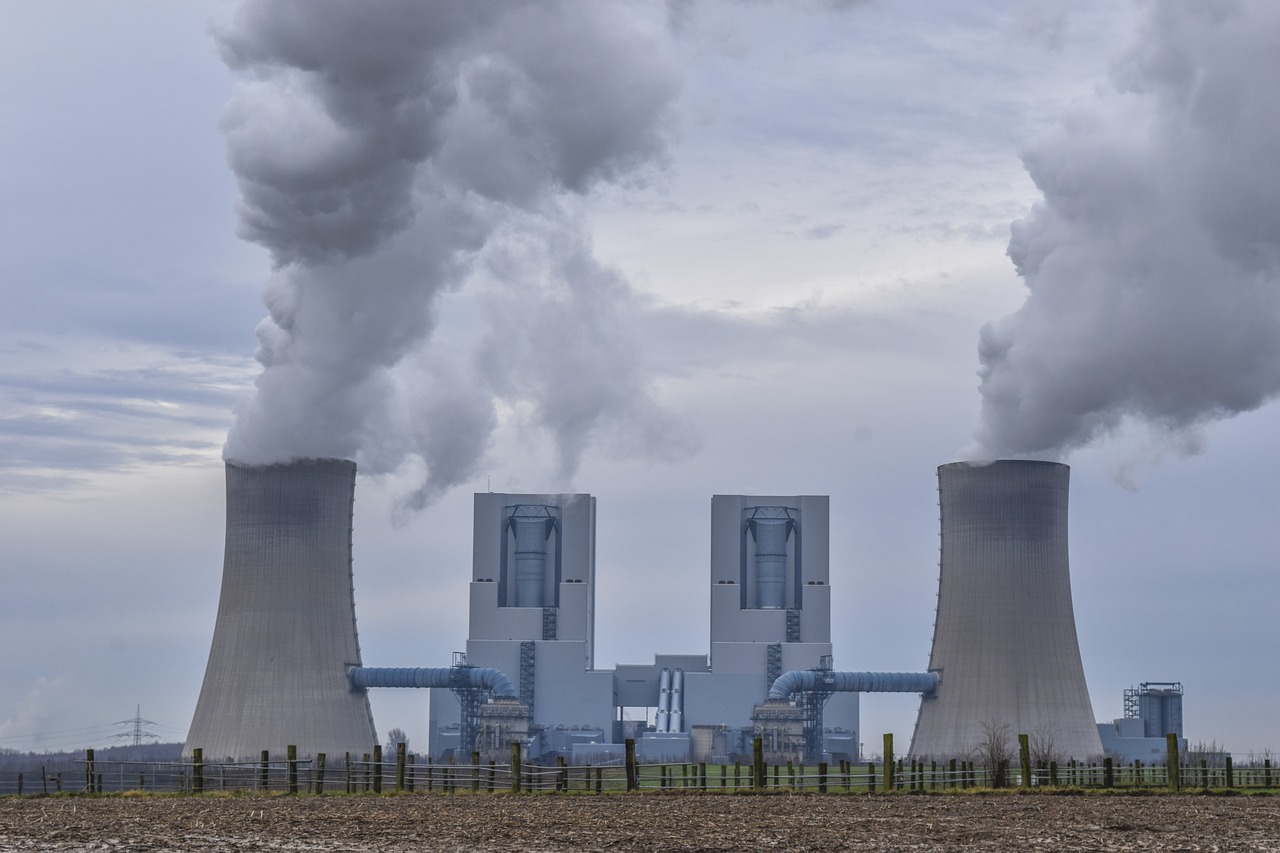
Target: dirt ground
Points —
{"points": [[642, 822]]}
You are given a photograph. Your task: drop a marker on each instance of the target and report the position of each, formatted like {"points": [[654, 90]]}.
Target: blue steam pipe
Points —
{"points": [[803, 680], [478, 677]]}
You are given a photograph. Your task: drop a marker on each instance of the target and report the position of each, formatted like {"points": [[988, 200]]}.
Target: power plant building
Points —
{"points": [[285, 668], [1004, 643], [1152, 711], [533, 610]]}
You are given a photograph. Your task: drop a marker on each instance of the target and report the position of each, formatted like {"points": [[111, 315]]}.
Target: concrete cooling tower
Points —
{"points": [[1004, 639], [286, 626]]}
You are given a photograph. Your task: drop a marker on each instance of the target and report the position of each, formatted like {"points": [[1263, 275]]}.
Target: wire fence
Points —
{"points": [[415, 774]]}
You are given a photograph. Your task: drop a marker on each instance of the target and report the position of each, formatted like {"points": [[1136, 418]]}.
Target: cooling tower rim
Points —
{"points": [[1038, 464], [295, 463]]}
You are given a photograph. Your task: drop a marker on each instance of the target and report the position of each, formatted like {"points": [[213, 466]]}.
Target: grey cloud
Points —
{"points": [[60, 420], [1153, 261]]}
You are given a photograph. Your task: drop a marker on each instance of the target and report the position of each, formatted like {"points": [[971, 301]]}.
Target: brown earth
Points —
{"points": [[642, 822]]}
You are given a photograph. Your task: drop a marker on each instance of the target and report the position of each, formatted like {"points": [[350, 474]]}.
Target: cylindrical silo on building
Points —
{"points": [[531, 559], [771, 561], [286, 627], [1004, 640]]}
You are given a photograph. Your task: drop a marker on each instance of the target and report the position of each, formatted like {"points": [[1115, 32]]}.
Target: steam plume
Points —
{"points": [[386, 152], [1153, 261]]}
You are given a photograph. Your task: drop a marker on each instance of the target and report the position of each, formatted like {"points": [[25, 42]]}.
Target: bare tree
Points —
{"points": [[994, 750], [394, 737], [1043, 742], [1259, 757], [1211, 753]]}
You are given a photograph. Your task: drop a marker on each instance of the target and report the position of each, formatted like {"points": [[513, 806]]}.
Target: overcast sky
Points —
{"points": [[777, 259]]}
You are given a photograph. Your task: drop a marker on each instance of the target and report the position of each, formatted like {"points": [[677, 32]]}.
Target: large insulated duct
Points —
{"points": [[771, 561], [286, 626], [677, 701], [662, 722], [815, 680], [1004, 638], [530, 559], [477, 677]]}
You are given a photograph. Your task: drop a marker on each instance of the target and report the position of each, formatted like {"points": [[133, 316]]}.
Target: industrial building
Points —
{"points": [[1004, 640], [285, 667], [1152, 710], [532, 615]]}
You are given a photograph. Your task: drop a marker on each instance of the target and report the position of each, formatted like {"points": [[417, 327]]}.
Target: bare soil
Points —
{"points": [[992, 822]]}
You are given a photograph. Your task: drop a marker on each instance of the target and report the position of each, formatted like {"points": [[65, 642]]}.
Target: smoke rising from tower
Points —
{"points": [[1153, 260], [390, 152]]}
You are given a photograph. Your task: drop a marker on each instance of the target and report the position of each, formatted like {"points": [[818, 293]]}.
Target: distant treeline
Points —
{"points": [[13, 760]]}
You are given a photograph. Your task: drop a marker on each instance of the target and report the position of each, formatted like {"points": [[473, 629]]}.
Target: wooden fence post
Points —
{"points": [[291, 755], [888, 762], [822, 777], [515, 767], [402, 754], [1024, 759], [1171, 748], [320, 759], [377, 768], [264, 774], [757, 764], [197, 770], [88, 771], [633, 776]]}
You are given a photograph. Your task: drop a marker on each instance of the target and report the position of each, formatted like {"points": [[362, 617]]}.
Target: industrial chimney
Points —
{"points": [[1004, 640], [286, 626]]}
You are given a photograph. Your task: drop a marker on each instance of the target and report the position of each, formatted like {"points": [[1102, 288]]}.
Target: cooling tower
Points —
{"points": [[286, 627], [1004, 640]]}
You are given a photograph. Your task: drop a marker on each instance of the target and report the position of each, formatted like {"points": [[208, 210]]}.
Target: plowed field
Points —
{"points": [[642, 822]]}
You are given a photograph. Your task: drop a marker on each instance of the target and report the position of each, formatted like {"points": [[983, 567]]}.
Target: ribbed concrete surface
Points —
{"points": [[286, 627], [1005, 636]]}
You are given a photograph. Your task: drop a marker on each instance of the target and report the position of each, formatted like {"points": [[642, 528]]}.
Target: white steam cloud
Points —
{"points": [[1153, 261], [391, 151]]}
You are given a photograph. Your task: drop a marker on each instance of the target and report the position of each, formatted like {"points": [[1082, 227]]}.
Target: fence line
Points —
{"points": [[368, 773]]}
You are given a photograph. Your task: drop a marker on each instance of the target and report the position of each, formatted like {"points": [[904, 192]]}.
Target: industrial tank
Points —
{"points": [[1004, 639], [286, 626]]}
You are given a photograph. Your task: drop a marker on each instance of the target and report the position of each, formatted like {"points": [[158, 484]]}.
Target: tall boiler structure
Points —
{"points": [[286, 626], [1004, 640]]}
